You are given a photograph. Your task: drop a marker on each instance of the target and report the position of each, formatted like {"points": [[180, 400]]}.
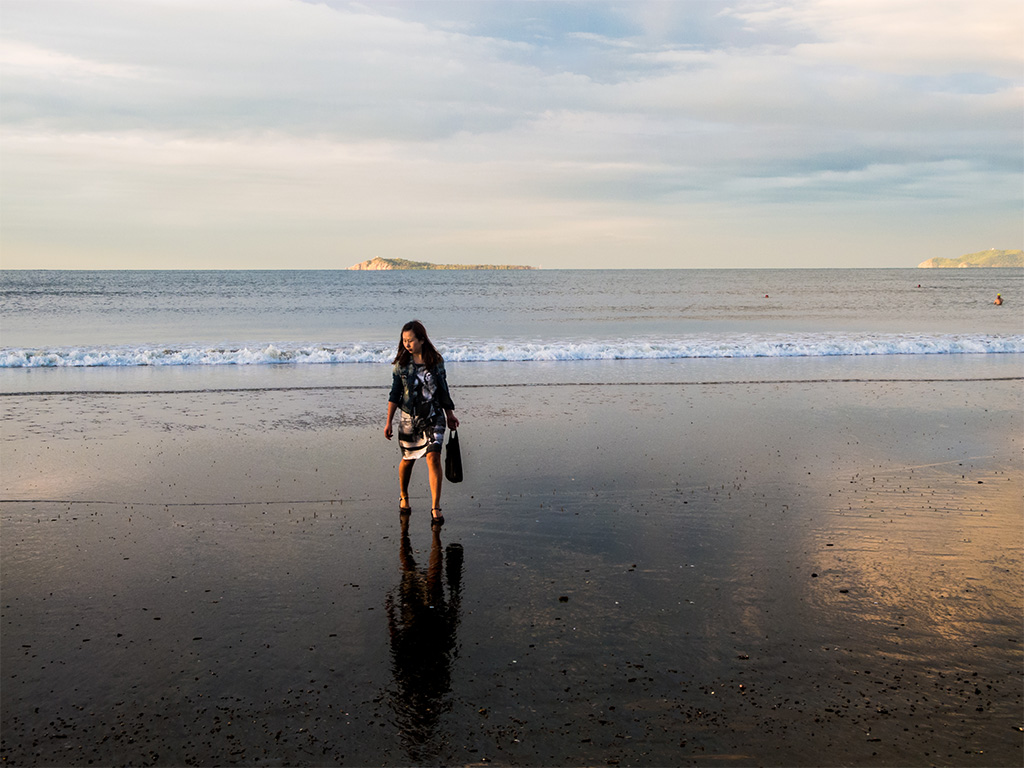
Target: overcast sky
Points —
{"points": [[696, 133]]}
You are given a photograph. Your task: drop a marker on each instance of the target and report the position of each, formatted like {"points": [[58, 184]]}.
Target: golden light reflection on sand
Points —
{"points": [[939, 545]]}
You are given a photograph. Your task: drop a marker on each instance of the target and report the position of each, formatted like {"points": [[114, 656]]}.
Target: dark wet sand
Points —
{"points": [[807, 574]]}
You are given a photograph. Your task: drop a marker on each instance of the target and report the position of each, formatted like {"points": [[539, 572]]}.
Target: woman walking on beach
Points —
{"points": [[420, 389]]}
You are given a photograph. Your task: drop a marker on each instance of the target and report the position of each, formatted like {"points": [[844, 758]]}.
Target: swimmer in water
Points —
{"points": [[999, 300]]}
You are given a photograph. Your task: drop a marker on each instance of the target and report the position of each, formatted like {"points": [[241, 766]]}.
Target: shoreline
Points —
{"points": [[156, 379]]}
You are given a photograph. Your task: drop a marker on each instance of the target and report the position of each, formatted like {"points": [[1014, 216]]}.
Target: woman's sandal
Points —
{"points": [[437, 519], [404, 509]]}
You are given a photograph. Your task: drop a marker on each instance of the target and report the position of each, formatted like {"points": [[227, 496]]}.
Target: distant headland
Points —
{"points": [[379, 264], [989, 258]]}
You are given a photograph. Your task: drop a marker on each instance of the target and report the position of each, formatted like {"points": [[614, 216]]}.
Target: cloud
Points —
{"points": [[906, 37], [23, 60], [466, 123]]}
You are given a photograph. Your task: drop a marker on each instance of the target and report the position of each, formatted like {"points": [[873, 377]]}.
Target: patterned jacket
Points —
{"points": [[403, 384]]}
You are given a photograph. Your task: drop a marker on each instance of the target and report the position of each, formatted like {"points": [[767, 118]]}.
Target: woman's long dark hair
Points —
{"points": [[431, 357]]}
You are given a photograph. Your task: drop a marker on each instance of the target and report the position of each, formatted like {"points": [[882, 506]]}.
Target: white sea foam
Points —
{"points": [[725, 346]]}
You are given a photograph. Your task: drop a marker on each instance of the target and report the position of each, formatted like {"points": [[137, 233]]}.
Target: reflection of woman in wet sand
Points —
{"points": [[423, 624]]}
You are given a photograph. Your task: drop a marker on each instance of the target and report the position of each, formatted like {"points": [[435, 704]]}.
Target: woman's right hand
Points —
{"points": [[387, 431]]}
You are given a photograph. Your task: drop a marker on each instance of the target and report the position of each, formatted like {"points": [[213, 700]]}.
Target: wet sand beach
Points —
{"points": [[741, 571]]}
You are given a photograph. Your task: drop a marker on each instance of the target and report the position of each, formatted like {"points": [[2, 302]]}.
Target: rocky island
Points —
{"points": [[990, 258], [381, 264]]}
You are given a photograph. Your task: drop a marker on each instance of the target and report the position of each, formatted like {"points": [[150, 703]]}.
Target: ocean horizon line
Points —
{"points": [[472, 269]]}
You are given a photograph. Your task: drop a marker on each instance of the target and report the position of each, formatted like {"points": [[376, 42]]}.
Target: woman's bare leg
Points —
{"points": [[404, 473], [436, 478]]}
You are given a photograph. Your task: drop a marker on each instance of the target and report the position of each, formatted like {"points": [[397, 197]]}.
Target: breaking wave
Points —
{"points": [[739, 345]]}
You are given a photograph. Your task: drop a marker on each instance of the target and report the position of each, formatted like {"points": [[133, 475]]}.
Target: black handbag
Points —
{"points": [[453, 459]]}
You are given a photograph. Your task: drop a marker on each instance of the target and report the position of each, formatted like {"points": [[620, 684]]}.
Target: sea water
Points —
{"points": [[293, 328]]}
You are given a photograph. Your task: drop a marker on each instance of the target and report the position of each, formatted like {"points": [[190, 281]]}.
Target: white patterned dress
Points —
{"points": [[423, 432]]}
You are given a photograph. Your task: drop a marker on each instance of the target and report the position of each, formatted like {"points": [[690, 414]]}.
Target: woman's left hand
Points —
{"points": [[453, 421]]}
